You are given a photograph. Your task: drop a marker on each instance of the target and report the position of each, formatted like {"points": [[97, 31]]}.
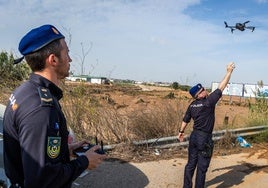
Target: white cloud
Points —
{"points": [[137, 39]]}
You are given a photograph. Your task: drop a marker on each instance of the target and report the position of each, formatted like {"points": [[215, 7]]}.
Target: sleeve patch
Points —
{"points": [[53, 147]]}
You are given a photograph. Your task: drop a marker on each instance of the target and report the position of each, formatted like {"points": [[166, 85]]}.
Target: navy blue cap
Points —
{"points": [[195, 89], [38, 38]]}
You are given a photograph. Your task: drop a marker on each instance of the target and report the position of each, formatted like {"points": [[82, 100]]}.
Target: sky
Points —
{"points": [[182, 41]]}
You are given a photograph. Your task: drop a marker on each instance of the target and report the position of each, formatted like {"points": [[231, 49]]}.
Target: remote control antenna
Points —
{"points": [[96, 140], [101, 145]]}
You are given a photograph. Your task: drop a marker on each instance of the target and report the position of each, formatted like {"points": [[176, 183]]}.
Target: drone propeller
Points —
{"points": [[226, 25], [246, 22]]}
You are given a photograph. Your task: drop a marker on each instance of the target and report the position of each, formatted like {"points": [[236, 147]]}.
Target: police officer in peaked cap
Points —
{"points": [[36, 149]]}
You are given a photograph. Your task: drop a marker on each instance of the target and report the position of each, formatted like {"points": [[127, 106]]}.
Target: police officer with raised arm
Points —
{"points": [[202, 111]]}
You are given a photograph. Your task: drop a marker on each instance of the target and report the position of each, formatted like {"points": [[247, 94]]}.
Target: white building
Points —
{"points": [[90, 79]]}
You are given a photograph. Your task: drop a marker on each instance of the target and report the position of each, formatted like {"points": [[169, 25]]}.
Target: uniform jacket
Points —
{"points": [[36, 150], [202, 111]]}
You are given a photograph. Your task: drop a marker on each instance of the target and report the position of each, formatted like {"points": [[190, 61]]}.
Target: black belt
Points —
{"points": [[203, 133]]}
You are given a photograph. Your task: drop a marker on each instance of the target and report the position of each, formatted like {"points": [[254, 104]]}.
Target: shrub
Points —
{"points": [[258, 109], [11, 75]]}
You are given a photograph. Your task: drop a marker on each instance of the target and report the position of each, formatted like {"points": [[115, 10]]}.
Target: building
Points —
{"points": [[90, 79]]}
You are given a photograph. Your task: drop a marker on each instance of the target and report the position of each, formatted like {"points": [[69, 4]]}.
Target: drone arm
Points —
{"points": [[250, 27]]}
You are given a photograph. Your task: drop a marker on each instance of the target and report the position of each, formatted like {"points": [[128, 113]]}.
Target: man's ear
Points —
{"points": [[52, 59]]}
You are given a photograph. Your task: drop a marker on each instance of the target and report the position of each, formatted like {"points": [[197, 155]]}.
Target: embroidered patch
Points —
{"points": [[53, 147], [13, 103]]}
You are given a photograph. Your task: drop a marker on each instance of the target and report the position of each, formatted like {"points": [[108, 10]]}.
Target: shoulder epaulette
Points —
{"points": [[45, 96]]}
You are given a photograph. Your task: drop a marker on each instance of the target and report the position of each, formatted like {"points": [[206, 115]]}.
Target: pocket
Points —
{"points": [[208, 149]]}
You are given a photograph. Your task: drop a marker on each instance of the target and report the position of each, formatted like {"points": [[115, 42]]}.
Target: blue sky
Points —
{"points": [[150, 40]]}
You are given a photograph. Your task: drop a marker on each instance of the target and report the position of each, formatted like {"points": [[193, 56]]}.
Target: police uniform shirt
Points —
{"points": [[203, 112], [36, 150]]}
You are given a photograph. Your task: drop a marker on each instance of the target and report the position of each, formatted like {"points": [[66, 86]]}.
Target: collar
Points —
{"points": [[42, 81]]}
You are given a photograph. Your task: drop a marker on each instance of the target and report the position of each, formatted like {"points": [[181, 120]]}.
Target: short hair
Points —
{"points": [[37, 60]]}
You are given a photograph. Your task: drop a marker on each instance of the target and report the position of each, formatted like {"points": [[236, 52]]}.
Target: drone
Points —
{"points": [[240, 26]]}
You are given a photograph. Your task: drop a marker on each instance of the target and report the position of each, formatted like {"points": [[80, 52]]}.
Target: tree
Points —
{"points": [[175, 85], [83, 57], [11, 75]]}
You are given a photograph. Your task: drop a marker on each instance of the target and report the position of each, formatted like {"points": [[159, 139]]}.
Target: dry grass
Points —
{"points": [[122, 114], [119, 114], [120, 119]]}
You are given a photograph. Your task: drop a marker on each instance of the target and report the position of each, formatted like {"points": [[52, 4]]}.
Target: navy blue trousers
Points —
{"points": [[197, 158]]}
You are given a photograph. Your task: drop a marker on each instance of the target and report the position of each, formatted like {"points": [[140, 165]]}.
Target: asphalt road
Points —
{"points": [[237, 170]]}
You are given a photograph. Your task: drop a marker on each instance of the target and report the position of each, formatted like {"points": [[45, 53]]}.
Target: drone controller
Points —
{"points": [[80, 151]]}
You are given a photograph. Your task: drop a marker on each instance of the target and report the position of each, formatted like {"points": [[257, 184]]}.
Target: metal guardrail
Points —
{"points": [[168, 142]]}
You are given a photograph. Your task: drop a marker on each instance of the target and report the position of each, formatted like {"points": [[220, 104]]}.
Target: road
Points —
{"points": [[237, 170]]}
